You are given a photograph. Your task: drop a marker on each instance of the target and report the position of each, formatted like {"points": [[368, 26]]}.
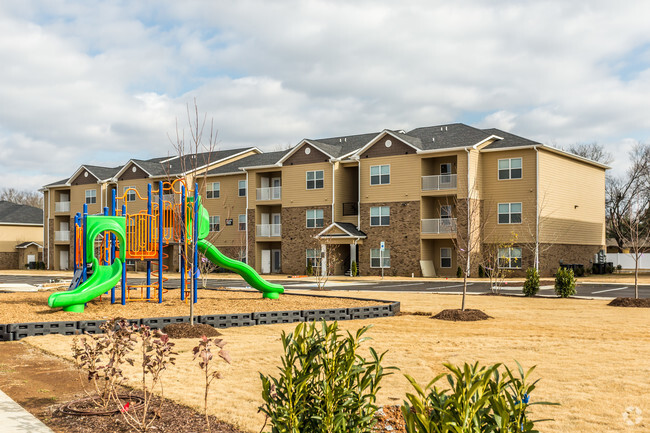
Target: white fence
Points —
{"points": [[627, 260]]}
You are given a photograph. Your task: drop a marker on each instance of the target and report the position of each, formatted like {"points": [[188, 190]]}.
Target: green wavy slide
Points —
{"points": [[269, 290]]}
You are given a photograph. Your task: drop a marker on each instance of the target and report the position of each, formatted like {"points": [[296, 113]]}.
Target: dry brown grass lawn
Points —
{"points": [[593, 359]]}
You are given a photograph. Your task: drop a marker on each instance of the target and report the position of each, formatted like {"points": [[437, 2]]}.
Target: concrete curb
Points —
{"points": [[17, 419]]}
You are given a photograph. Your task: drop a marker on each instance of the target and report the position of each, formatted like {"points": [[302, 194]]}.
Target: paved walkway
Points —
{"points": [[16, 419]]}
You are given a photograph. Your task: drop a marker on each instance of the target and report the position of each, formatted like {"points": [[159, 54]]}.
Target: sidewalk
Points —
{"points": [[17, 419]]}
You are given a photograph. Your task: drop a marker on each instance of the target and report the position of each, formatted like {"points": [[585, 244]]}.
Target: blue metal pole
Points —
{"points": [[160, 241], [124, 265], [85, 217], [105, 242], [182, 243], [195, 235], [74, 243], [113, 241], [148, 240]]}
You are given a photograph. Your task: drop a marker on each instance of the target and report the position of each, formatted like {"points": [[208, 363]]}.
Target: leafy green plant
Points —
{"points": [[324, 384], [310, 268], [459, 272], [531, 285], [565, 283], [480, 400], [353, 269]]}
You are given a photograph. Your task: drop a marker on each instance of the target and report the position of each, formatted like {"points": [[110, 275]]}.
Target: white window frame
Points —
{"points": [[215, 220], [379, 175], [240, 188], [240, 222], [90, 198], [210, 193], [315, 179], [510, 213], [509, 169], [451, 261], [377, 254], [315, 218], [130, 195], [507, 254], [313, 254], [384, 212]]}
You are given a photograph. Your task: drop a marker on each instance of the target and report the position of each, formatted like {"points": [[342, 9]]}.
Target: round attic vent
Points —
{"points": [[133, 169], [307, 150], [86, 174], [388, 143]]}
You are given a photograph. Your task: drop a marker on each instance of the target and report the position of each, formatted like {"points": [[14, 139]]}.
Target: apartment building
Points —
{"points": [[338, 200], [21, 232]]}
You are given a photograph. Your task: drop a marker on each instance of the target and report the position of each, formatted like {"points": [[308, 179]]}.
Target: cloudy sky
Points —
{"points": [[101, 82]]}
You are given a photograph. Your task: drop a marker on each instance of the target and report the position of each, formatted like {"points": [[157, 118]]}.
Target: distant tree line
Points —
{"points": [[19, 196]]}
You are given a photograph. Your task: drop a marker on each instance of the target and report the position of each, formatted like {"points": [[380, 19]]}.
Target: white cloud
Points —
{"points": [[100, 82]]}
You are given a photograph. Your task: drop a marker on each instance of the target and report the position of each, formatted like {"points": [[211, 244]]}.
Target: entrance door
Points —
{"points": [[276, 224], [265, 221], [276, 261], [266, 262], [63, 260], [276, 191]]}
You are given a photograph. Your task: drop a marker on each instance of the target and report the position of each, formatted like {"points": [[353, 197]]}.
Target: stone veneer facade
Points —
{"points": [[402, 237], [297, 238], [9, 260]]}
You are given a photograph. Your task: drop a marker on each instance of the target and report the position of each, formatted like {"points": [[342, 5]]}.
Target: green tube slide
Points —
{"points": [[104, 277], [269, 290]]}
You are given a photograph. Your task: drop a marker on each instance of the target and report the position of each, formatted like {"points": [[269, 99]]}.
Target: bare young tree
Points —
{"points": [[194, 153], [635, 230], [594, 151], [325, 266], [18, 196]]}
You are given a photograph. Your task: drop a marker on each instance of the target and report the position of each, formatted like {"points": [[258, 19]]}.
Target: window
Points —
{"points": [[510, 258], [379, 174], [215, 223], [315, 179], [445, 257], [242, 188], [314, 218], [313, 257], [213, 191], [509, 213], [130, 193], [445, 211], [242, 223], [91, 196], [380, 216], [510, 168], [377, 256], [445, 168]]}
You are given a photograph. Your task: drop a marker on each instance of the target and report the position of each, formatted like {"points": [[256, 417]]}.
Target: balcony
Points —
{"points": [[62, 236], [350, 208], [268, 230], [439, 182], [62, 206], [437, 226], [269, 193]]}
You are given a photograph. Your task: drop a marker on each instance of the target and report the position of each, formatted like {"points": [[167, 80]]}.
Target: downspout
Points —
{"points": [[358, 197], [536, 208], [333, 188], [469, 266], [47, 230], [247, 228]]}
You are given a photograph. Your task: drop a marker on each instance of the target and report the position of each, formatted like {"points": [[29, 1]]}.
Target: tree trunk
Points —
{"points": [[636, 278]]}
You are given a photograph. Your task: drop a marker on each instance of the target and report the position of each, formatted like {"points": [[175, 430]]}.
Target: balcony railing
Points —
{"points": [[62, 206], [439, 225], [269, 193], [438, 182], [62, 235], [268, 230]]}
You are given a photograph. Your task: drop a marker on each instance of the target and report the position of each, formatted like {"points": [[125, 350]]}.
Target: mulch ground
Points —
{"points": [[630, 302], [390, 419], [458, 315], [185, 330]]}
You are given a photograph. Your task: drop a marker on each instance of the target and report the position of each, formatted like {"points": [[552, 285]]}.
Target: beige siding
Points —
{"points": [[346, 190], [405, 179], [495, 191], [294, 185], [571, 201], [12, 235], [78, 198], [228, 206]]}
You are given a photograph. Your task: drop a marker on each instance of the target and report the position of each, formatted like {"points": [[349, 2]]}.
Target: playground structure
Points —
{"points": [[174, 216]]}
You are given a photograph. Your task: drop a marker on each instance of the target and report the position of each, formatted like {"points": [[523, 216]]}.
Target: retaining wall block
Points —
{"points": [[371, 314], [395, 307], [272, 317], [326, 314], [22, 330], [6, 336], [90, 326], [161, 322], [227, 320]]}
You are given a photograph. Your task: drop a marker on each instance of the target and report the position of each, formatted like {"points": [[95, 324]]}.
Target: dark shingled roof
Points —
{"points": [[447, 136], [352, 229], [509, 140], [102, 173], [20, 213], [339, 146], [177, 165], [58, 182], [260, 159]]}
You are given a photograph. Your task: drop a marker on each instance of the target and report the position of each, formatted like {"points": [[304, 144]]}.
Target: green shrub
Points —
{"points": [[480, 400], [459, 272], [531, 285], [580, 271], [565, 283], [610, 268], [324, 384], [353, 269], [310, 269], [481, 272]]}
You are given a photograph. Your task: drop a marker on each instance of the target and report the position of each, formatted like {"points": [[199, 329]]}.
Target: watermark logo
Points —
{"points": [[632, 415]]}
